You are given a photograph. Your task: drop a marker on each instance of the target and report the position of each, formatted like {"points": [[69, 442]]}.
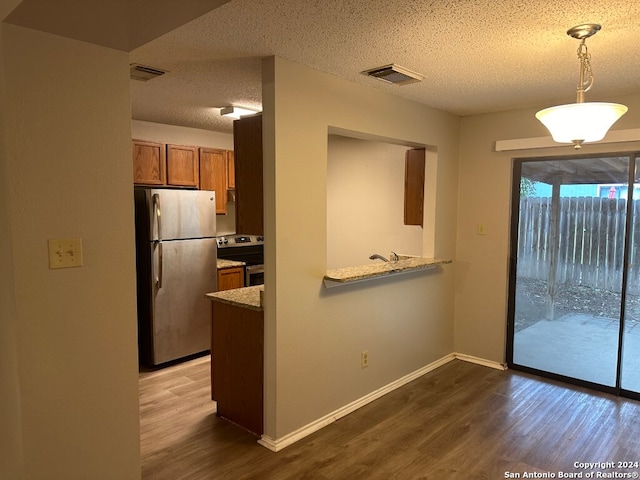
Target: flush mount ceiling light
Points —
{"points": [[582, 121], [236, 112]]}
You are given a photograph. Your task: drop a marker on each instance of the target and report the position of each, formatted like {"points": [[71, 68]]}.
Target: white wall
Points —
{"points": [[158, 132], [313, 337], [66, 166], [484, 197], [365, 202]]}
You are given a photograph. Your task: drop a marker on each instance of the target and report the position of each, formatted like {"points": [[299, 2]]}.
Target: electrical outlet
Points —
{"points": [[364, 359]]}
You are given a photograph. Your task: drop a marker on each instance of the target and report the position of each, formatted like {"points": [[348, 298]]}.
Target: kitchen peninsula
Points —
{"points": [[405, 264], [237, 345]]}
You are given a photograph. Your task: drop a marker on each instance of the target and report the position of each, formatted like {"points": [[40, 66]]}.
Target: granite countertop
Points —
{"points": [[222, 263], [246, 297], [380, 269]]}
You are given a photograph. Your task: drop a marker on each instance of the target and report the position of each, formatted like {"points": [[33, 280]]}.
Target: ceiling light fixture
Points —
{"points": [[236, 112], [581, 122]]}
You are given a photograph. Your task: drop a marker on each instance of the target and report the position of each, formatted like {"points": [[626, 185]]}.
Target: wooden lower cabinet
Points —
{"points": [[230, 278], [237, 346]]}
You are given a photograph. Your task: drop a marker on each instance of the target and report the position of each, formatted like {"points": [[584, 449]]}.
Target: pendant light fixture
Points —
{"points": [[582, 121]]}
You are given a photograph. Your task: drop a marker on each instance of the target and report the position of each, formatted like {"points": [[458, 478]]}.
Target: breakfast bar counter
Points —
{"points": [[359, 273]]}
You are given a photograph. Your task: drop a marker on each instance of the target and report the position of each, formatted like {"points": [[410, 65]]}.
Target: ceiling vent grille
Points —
{"points": [[394, 74], [144, 73]]}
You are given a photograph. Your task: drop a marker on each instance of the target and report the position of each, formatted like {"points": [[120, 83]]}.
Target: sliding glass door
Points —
{"points": [[630, 341], [574, 287]]}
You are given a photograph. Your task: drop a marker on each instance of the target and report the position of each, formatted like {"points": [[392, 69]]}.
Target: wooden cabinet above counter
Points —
{"points": [[159, 164], [183, 169], [214, 174], [247, 145], [149, 163]]}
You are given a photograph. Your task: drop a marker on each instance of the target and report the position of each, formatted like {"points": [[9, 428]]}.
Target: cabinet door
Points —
{"points": [[213, 175], [414, 186], [229, 278], [182, 166], [247, 143], [237, 352], [231, 170], [149, 163]]}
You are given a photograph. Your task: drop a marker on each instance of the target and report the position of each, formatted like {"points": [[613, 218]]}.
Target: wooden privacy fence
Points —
{"points": [[590, 242]]}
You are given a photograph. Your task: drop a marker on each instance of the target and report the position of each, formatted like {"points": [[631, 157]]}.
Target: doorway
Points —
{"points": [[574, 287]]}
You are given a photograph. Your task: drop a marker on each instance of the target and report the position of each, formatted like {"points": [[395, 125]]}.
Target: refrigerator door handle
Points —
{"points": [[159, 279], [158, 212], [158, 215]]}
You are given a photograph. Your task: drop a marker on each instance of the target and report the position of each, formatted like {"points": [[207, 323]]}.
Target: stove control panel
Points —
{"points": [[239, 240]]}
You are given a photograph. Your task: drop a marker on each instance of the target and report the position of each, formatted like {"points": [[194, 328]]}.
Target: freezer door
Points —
{"points": [[181, 214], [181, 317]]}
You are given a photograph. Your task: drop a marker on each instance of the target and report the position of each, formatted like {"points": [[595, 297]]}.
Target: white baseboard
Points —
{"points": [[480, 361], [275, 445]]}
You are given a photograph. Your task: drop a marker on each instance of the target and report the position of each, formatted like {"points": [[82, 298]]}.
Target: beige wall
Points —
{"points": [[159, 132], [11, 453], [67, 172], [314, 337], [484, 197]]}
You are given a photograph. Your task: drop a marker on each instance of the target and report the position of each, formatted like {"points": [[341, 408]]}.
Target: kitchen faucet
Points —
{"points": [[393, 257]]}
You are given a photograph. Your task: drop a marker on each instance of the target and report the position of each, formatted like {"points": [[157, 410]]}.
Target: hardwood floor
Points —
{"points": [[462, 421]]}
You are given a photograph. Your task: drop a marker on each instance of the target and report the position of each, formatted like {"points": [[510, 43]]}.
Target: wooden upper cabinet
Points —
{"points": [[247, 147], [414, 186], [149, 163], [213, 175], [183, 169], [231, 170]]}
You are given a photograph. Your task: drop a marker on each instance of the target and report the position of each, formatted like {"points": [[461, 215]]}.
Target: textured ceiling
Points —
{"points": [[120, 24], [476, 55]]}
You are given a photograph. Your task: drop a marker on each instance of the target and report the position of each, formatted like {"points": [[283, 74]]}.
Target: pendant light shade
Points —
{"points": [[582, 121], [578, 123]]}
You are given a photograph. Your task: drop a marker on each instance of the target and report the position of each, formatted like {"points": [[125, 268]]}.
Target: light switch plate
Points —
{"points": [[65, 252], [482, 229]]}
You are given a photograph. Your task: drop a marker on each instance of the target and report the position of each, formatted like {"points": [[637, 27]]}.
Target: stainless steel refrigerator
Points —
{"points": [[176, 267]]}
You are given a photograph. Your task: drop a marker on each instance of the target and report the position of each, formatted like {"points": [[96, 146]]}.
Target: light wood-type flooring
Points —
{"points": [[461, 421]]}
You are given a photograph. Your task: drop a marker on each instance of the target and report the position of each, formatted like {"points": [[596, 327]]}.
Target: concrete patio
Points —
{"points": [[582, 347]]}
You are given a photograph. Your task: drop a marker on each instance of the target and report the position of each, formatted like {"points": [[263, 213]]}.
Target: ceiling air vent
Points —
{"points": [[394, 74], [144, 73]]}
